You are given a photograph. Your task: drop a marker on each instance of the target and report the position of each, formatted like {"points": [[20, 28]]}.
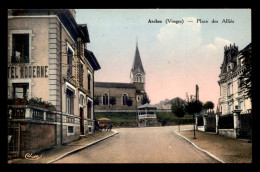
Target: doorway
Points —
{"points": [[81, 121]]}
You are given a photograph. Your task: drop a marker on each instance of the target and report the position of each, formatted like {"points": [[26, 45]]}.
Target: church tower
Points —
{"points": [[137, 73]]}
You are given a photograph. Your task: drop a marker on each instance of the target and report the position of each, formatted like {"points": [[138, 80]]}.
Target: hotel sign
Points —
{"points": [[27, 71]]}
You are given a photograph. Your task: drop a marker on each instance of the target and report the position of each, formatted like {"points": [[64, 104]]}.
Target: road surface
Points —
{"points": [[141, 145]]}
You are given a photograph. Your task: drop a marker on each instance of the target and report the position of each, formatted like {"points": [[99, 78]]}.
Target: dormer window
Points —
{"points": [[230, 67]]}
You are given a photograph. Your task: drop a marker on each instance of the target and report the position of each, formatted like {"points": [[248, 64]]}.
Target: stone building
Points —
{"points": [[231, 94], [127, 96], [48, 66]]}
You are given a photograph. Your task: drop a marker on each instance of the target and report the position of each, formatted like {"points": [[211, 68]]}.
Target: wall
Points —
{"points": [[36, 137], [38, 56], [116, 92]]}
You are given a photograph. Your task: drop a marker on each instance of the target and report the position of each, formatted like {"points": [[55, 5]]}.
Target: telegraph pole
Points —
{"points": [[196, 99]]}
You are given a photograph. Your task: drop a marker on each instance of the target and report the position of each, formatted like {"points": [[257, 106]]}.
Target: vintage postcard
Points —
{"points": [[106, 86]]}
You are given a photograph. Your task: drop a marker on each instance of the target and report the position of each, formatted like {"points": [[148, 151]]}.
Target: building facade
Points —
{"points": [[111, 96], [49, 64], [231, 94]]}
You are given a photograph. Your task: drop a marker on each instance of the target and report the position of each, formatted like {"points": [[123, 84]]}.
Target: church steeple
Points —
{"points": [[137, 63], [137, 73]]}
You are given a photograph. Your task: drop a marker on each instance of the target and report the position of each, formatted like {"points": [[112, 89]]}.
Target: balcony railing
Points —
{"points": [[145, 116], [27, 112]]}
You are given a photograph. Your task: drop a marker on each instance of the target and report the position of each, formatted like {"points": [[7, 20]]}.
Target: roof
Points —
{"points": [[83, 32], [231, 57], [92, 59], [146, 106], [114, 85], [137, 63]]}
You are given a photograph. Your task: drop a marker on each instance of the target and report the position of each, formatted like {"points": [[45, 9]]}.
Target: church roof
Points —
{"points": [[137, 61], [114, 85]]}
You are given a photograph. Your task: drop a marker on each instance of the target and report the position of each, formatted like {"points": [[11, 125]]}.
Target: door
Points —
{"points": [[81, 121]]}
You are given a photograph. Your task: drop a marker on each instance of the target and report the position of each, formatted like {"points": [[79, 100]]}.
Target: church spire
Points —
{"points": [[137, 63]]}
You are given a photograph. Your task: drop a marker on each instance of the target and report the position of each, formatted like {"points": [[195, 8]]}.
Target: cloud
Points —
{"points": [[181, 36]]}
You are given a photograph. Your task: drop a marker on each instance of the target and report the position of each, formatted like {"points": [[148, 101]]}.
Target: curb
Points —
{"points": [[76, 150], [206, 152]]}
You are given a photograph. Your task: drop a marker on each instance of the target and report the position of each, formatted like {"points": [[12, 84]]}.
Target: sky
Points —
{"points": [[175, 56]]}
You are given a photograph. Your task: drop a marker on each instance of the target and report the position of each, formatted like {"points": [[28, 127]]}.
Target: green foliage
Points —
{"points": [[145, 99], [247, 75], [194, 106], [178, 108], [112, 100], [117, 117], [208, 105], [129, 102], [96, 100]]}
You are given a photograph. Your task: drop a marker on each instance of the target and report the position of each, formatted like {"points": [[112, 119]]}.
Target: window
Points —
{"points": [[69, 61], [241, 105], [70, 129], [81, 71], [124, 99], [20, 90], [89, 110], [229, 89], [89, 81], [138, 78], [238, 84], [105, 99], [230, 108], [20, 48], [69, 101]]}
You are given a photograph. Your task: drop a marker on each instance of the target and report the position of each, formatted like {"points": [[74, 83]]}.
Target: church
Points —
{"points": [[114, 96]]}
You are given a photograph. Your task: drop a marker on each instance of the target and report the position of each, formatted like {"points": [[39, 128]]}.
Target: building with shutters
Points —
{"points": [[50, 78]]}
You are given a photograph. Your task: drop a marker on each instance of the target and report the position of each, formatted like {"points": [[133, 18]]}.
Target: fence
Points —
{"points": [[234, 125], [211, 123], [245, 130], [226, 122]]}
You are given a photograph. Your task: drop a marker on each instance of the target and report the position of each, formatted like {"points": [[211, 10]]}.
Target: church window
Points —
{"points": [[138, 78], [105, 99], [124, 99]]}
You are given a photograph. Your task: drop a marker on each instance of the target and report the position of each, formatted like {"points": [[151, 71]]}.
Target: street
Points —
{"points": [[141, 145]]}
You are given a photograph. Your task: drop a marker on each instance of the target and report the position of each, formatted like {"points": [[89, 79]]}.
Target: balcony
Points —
{"points": [[31, 113]]}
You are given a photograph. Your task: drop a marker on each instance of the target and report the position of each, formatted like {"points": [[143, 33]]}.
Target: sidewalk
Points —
{"points": [[225, 149], [53, 154]]}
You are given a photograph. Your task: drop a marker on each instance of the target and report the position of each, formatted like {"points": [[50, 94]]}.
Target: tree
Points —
{"points": [[96, 100], [112, 100], [208, 105], [178, 108], [129, 102], [246, 77], [194, 106], [145, 99]]}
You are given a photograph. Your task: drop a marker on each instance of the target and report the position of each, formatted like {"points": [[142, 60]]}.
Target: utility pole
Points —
{"points": [[196, 99]]}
